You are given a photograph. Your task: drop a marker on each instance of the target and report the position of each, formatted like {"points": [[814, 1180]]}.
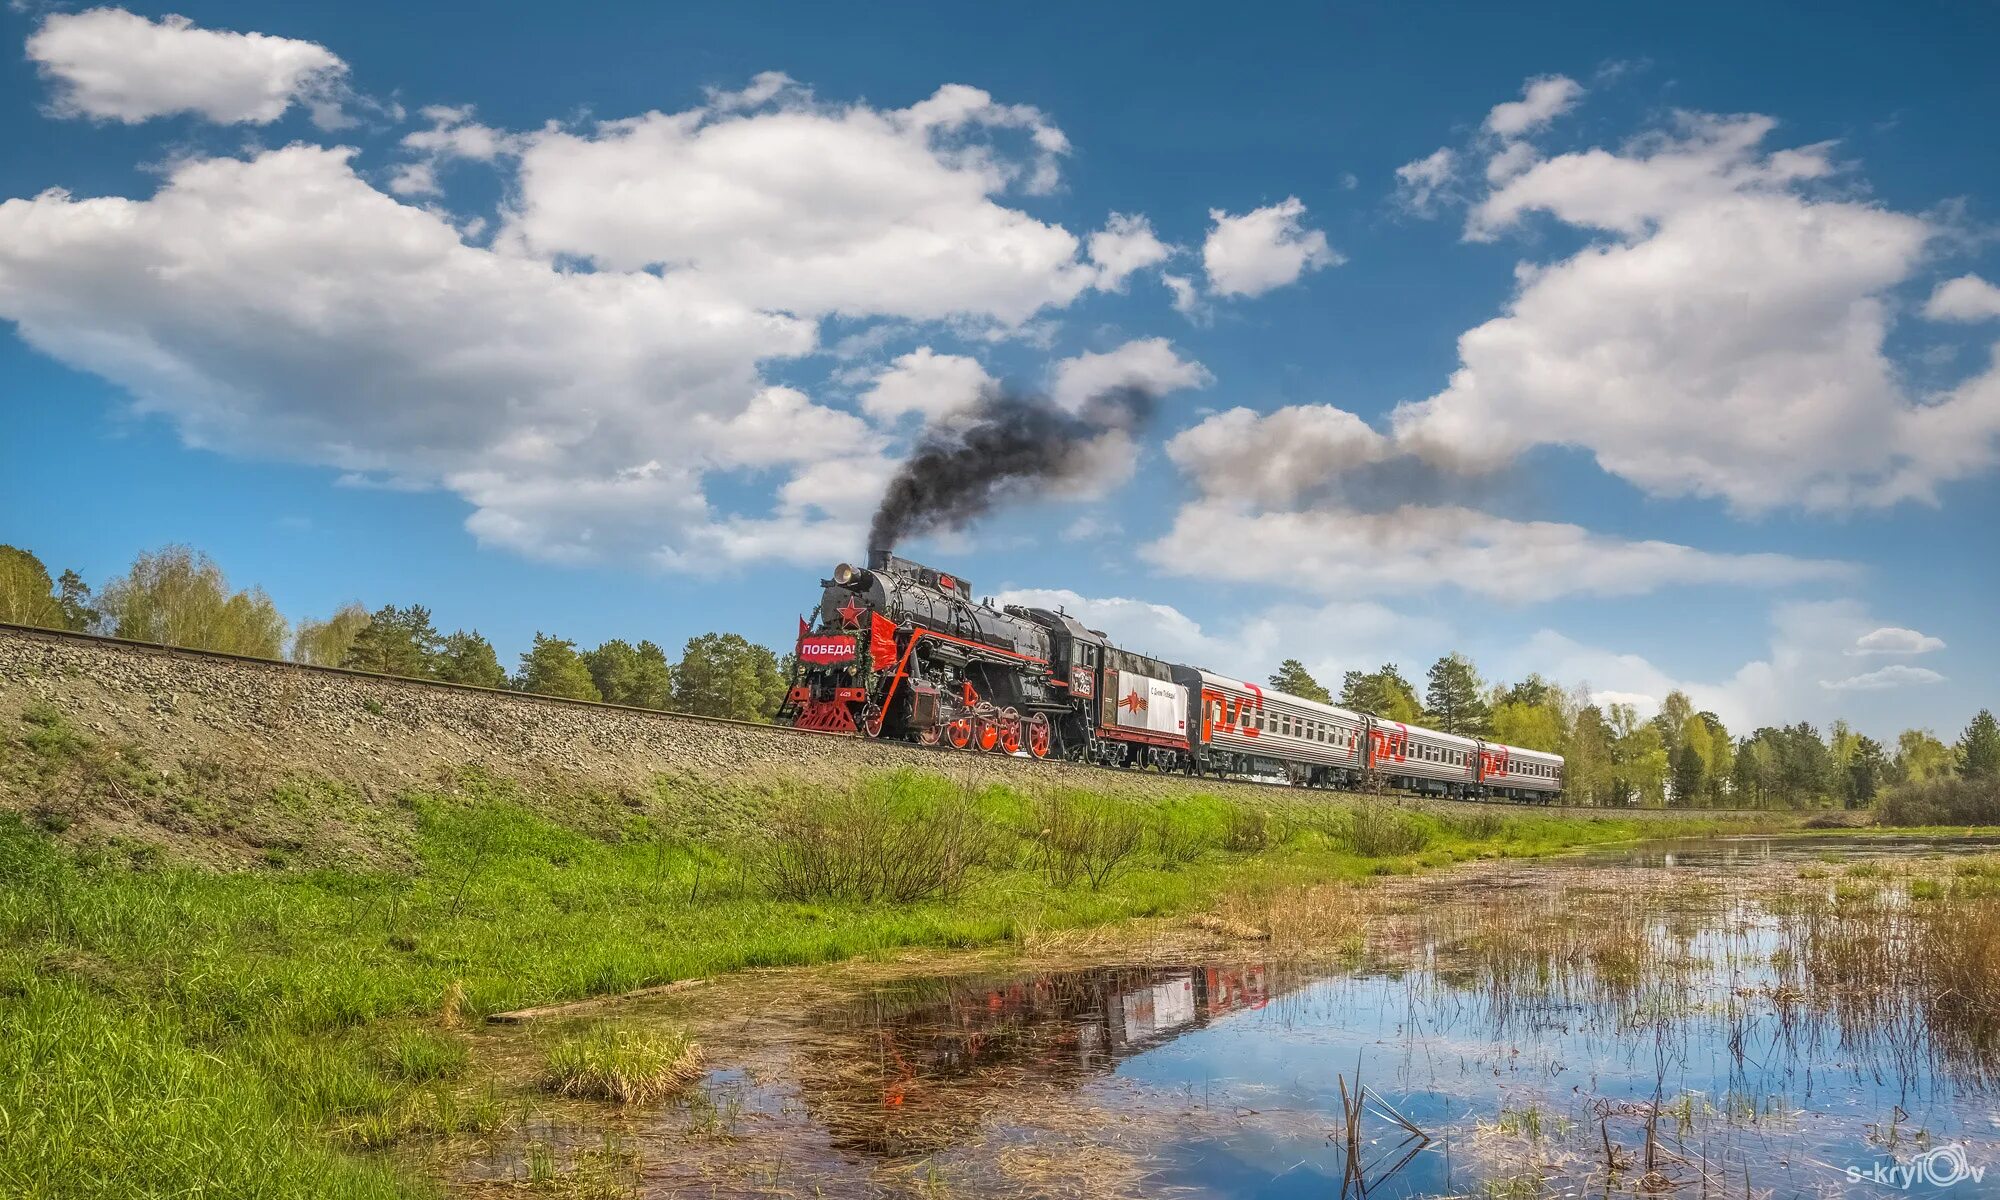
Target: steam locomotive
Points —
{"points": [[899, 650]]}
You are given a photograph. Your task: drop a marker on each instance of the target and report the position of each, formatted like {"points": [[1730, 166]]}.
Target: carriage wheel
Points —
{"points": [[1039, 735], [986, 734], [1009, 722], [959, 733]]}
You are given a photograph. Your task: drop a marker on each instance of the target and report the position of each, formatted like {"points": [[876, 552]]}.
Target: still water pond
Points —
{"points": [[1748, 1018]]}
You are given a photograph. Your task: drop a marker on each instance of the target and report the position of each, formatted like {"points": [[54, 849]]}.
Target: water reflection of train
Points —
{"points": [[922, 1064]]}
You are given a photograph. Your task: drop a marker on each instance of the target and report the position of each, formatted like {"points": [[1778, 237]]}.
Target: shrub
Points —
{"points": [[1382, 831], [622, 1063], [1248, 829], [1177, 841], [1948, 801], [1085, 837], [900, 839]]}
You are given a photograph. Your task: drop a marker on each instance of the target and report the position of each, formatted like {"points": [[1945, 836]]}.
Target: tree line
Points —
{"points": [[177, 596], [1680, 757]]}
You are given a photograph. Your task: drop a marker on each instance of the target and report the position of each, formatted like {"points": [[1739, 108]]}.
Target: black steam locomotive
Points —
{"points": [[899, 650], [903, 651]]}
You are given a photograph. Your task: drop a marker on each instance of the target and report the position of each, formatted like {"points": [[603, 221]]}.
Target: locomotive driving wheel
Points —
{"points": [[1008, 724], [1038, 735], [986, 733], [959, 733]]}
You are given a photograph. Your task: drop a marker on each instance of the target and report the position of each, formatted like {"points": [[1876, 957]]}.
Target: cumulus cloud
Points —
{"points": [[1275, 458], [110, 64], [280, 306], [1724, 337], [818, 209], [924, 381], [1967, 298], [1125, 244], [1801, 675], [1151, 365], [1543, 99], [1893, 676], [579, 380], [1266, 248], [1414, 549], [1893, 639], [1423, 184]]}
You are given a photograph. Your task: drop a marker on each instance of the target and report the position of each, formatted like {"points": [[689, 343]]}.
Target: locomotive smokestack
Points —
{"points": [[1007, 444]]}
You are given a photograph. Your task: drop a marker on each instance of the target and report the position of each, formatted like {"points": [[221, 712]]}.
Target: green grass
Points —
{"points": [[173, 1030], [628, 1065]]}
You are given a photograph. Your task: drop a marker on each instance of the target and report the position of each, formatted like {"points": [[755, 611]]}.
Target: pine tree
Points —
{"points": [[1293, 679], [554, 668], [1867, 770], [725, 675], [1384, 693], [1689, 771], [73, 597], [634, 675], [1979, 748], [468, 658], [1455, 701], [396, 641]]}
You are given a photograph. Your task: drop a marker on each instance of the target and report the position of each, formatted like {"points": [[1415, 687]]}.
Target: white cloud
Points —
{"points": [[1510, 160], [1416, 549], [924, 381], [1125, 244], [1274, 458], [280, 306], [1802, 675], [1149, 364], [1893, 676], [1262, 249], [1967, 298], [815, 209], [579, 381], [1893, 639], [1725, 339], [1187, 299], [113, 65], [1543, 99], [1423, 184]]}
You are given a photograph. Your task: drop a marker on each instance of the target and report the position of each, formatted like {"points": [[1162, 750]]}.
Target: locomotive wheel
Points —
{"points": [[1038, 735], [930, 735], [1009, 725], [986, 735], [959, 733]]}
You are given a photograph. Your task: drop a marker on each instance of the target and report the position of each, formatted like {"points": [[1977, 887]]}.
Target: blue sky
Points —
{"points": [[1602, 342]]}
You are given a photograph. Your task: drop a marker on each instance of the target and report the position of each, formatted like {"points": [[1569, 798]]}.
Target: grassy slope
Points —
{"points": [[170, 1030]]}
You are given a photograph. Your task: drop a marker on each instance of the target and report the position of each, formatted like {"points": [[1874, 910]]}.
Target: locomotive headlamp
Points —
{"points": [[851, 577]]}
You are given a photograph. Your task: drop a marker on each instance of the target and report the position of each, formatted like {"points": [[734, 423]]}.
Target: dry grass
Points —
{"points": [[627, 1064]]}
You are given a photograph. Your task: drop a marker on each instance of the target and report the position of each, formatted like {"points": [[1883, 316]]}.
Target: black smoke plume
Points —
{"points": [[1008, 443]]}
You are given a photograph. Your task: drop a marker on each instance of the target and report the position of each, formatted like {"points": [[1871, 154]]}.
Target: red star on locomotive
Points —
{"points": [[929, 664]]}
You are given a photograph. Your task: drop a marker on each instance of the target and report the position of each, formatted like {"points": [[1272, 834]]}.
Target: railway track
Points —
{"points": [[926, 754]]}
